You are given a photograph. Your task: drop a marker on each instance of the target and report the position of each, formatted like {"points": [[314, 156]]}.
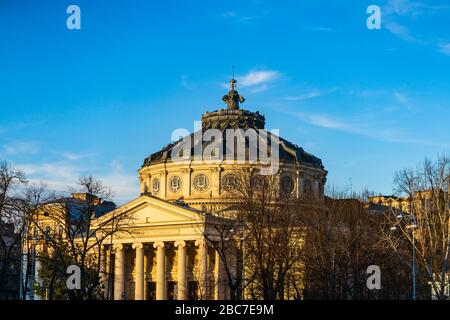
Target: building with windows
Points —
{"points": [[163, 253], [9, 262]]}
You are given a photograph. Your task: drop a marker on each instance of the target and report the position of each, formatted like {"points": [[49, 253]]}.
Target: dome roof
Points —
{"points": [[235, 118], [288, 152]]}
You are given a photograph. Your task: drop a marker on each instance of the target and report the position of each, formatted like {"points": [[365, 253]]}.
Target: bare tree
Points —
{"points": [[425, 225], [10, 180], [272, 236], [72, 233], [18, 201], [257, 235], [225, 235], [342, 241]]}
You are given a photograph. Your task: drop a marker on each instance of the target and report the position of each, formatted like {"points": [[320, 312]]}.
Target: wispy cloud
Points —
{"points": [[62, 176], [185, 83], [400, 97], [376, 131], [19, 126], [445, 48], [258, 80], [314, 93], [400, 31], [73, 156], [20, 148], [405, 101], [396, 10], [124, 185], [400, 8], [404, 7], [238, 17], [254, 78]]}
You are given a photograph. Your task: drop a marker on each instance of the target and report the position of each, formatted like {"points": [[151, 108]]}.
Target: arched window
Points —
{"points": [[307, 187], [287, 184]]}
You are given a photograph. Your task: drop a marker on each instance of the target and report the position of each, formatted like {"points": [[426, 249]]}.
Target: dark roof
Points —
{"points": [[76, 206], [237, 119]]}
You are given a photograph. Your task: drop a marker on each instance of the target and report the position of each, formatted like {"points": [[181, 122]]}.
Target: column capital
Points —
{"points": [[200, 242], [216, 169], [180, 243], [187, 170], [137, 245], [158, 244], [118, 246]]}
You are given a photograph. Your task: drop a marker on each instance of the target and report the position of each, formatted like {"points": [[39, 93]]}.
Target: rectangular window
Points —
{"points": [[171, 290], [151, 290], [192, 290]]}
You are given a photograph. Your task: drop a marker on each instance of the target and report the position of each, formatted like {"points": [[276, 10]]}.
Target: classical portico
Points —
{"points": [[162, 255], [166, 248]]}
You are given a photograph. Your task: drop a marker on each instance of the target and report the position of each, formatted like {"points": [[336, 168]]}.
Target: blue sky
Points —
{"points": [[100, 99]]}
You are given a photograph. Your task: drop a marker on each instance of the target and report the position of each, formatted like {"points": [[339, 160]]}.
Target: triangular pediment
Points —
{"points": [[149, 210]]}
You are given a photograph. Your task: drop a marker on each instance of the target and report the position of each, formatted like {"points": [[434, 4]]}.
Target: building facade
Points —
{"points": [[162, 252]]}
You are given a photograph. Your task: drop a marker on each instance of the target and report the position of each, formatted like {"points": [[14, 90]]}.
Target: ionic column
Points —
{"points": [[160, 270], [139, 282], [146, 269], [181, 270], [219, 269], [103, 278], [203, 265], [119, 272]]}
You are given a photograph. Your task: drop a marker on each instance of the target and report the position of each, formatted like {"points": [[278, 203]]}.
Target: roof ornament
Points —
{"points": [[232, 98]]}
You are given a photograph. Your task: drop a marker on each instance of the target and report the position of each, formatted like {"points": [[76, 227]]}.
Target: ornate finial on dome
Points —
{"points": [[232, 98]]}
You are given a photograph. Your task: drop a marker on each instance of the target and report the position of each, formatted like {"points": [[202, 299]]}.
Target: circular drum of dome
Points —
{"points": [[176, 184], [201, 182], [230, 182], [287, 184], [155, 185]]}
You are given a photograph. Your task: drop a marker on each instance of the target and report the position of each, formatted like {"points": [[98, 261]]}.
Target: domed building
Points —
{"points": [[163, 252], [198, 182]]}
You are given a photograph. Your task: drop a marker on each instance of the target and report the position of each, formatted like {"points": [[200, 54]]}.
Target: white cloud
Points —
{"points": [[20, 148], [185, 83], [328, 122], [404, 7], [400, 31], [257, 80], [310, 94], [254, 78], [72, 156], [125, 185], [407, 9], [62, 176], [445, 49], [401, 98], [375, 131], [241, 18]]}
